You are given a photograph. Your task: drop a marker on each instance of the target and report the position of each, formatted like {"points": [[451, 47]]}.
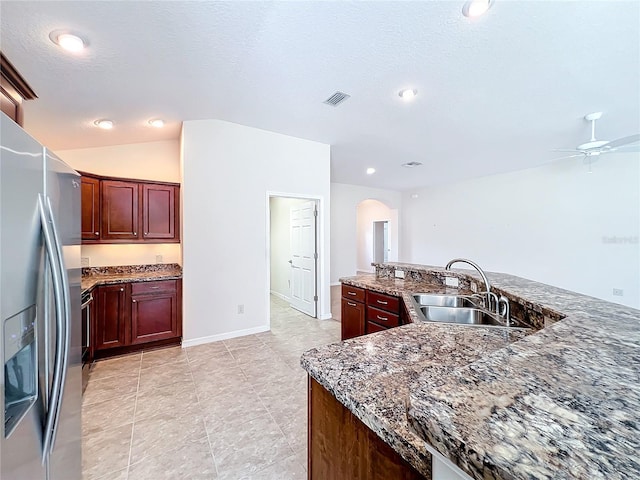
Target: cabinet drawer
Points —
{"points": [[374, 327], [384, 302], [382, 317], [353, 293], [153, 287]]}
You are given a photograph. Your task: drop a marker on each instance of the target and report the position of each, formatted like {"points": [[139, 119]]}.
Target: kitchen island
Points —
{"points": [[560, 402]]}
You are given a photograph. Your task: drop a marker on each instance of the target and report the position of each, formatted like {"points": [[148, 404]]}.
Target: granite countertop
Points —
{"points": [[94, 276], [561, 402]]}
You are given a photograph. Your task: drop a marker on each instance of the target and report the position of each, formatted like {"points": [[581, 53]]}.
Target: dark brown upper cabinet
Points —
{"points": [[158, 211], [14, 90], [119, 210], [90, 208], [116, 210]]}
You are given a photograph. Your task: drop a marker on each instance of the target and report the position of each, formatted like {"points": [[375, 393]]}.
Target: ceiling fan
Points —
{"points": [[592, 149]]}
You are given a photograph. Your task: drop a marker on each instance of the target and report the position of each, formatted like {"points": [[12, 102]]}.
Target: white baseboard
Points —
{"points": [[336, 284], [326, 316], [223, 336], [280, 295]]}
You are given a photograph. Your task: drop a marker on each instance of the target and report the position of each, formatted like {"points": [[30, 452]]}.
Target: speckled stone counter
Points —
{"points": [[562, 402], [94, 276]]}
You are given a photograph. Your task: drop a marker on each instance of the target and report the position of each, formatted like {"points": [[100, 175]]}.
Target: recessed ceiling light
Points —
{"points": [[68, 41], [408, 93], [104, 124], [411, 164], [371, 171], [157, 123], [475, 8]]}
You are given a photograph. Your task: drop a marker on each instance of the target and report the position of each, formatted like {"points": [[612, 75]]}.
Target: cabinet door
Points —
{"points": [[119, 210], [154, 317], [111, 317], [158, 211], [352, 321], [90, 208]]}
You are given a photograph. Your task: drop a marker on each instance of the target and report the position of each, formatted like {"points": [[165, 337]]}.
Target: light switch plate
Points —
{"points": [[451, 281], [158, 258], [84, 261]]}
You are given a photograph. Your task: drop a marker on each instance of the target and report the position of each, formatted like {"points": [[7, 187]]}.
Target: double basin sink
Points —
{"points": [[459, 309]]}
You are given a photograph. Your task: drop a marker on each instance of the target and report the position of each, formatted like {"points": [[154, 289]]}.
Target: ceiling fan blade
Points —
{"points": [[569, 156], [622, 141], [624, 149]]}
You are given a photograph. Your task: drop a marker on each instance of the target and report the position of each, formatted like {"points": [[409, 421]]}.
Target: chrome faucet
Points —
{"points": [[491, 298]]}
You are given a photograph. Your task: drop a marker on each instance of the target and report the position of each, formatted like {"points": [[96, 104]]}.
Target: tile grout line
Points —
{"points": [[206, 430], [135, 407]]}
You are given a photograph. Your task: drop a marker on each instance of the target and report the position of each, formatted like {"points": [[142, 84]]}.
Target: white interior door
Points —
{"points": [[303, 257]]}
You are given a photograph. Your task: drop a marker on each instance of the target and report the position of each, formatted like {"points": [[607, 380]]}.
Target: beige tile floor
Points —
{"points": [[234, 409]]}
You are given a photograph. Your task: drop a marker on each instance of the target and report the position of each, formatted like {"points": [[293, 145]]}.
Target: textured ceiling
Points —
{"points": [[495, 94]]}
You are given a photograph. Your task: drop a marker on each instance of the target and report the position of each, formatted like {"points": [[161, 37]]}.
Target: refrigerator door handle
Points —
{"points": [[66, 320], [53, 408]]}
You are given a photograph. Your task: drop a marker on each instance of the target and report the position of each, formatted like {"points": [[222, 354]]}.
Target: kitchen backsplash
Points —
{"points": [[125, 269]]}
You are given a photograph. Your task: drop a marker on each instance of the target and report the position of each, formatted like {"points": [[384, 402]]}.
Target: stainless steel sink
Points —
{"points": [[443, 300], [458, 309]]}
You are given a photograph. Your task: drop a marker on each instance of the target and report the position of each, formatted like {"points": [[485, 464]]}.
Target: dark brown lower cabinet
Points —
{"points": [[133, 315], [341, 447], [110, 322], [352, 320], [365, 311], [154, 315]]}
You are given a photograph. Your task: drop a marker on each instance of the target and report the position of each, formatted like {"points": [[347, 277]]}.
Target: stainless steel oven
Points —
{"points": [[87, 300]]}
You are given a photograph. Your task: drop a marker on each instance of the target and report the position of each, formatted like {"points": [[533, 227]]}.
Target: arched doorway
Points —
{"points": [[376, 234]]}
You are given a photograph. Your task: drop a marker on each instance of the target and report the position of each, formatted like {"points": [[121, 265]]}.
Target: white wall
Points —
{"points": [[367, 212], [344, 235], [145, 161], [280, 242], [556, 224], [229, 170]]}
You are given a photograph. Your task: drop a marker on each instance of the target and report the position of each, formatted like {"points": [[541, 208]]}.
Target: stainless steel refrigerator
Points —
{"points": [[40, 335]]}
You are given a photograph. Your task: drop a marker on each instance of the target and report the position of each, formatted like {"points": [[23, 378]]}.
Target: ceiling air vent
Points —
{"points": [[411, 164], [336, 99]]}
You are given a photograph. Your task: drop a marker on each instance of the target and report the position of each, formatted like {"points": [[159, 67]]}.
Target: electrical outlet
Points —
{"points": [[240, 309], [158, 258], [618, 292], [399, 273], [84, 261], [451, 281]]}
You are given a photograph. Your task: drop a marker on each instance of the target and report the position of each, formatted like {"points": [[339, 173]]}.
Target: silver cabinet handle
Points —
{"points": [[351, 304], [384, 319], [122, 289], [352, 293], [97, 233], [381, 302], [146, 233], [134, 301], [154, 288], [135, 233]]}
